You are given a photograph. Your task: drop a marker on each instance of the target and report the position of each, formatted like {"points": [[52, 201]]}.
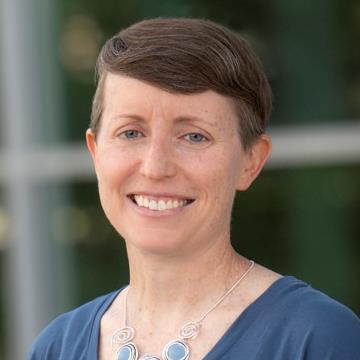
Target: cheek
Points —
{"points": [[111, 176], [113, 166], [107, 174], [217, 179], [221, 171]]}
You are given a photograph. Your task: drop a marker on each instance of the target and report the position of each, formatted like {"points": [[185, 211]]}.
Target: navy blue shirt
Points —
{"points": [[289, 321]]}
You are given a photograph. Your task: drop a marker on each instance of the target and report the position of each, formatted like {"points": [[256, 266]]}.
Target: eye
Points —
{"points": [[195, 137], [130, 134]]}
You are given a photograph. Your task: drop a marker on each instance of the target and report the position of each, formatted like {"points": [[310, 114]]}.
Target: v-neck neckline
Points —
{"points": [[241, 323]]}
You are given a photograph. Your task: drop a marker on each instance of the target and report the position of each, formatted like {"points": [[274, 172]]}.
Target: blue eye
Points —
{"points": [[195, 137], [130, 134]]}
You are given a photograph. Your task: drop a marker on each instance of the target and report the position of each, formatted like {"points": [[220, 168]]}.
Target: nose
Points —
{"points": [[158, 161]]}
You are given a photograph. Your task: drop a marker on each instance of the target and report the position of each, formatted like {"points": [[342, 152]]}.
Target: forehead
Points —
{"points": [[123, 93]]}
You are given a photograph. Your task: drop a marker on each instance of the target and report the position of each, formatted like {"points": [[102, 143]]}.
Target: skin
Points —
{"points": [[174, 146]]}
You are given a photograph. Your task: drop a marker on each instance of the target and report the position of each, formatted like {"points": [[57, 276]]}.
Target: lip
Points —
{"points": [[159, 196]]}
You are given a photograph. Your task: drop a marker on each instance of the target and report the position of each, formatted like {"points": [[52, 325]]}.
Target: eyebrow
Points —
{"points": [[179, 119], [182, 119], [127, 116]]}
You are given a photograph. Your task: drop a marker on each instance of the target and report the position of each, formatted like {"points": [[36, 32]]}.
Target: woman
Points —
{"points": [[178, 126]]}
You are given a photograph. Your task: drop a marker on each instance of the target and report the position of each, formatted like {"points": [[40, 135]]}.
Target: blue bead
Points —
{"points": [[124, 354], [177, 351], [127, 352]]}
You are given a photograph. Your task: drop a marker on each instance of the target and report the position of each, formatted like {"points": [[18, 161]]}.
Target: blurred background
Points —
{"points": [[301, 217]]}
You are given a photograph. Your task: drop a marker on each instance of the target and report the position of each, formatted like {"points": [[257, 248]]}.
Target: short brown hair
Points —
{"points": [[187, 56]]}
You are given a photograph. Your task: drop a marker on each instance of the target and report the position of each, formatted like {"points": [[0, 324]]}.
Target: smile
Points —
{"points": [[159, 204]]}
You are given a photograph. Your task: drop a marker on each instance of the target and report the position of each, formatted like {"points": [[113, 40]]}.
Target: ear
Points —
{"points": [[255, 159], [91, 144]]}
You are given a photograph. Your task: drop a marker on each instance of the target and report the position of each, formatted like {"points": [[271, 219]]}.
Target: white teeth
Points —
{"points": [[169, 204], [153, 205], [139, 200], [160, 205]]}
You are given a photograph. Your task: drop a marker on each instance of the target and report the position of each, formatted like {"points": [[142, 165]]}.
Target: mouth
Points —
{"points": [[159, 203]]}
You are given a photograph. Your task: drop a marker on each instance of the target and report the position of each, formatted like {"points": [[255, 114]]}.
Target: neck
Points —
{"points": [[181, 288]]}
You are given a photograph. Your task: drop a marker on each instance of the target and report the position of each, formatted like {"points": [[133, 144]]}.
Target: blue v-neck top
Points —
{"points": [[289, 321]]}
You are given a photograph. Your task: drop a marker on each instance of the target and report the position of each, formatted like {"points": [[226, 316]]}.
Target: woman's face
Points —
{"points": [[168, 166]]}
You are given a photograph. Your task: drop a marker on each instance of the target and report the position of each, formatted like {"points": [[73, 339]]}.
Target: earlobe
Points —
{"points": [[255, 160]]}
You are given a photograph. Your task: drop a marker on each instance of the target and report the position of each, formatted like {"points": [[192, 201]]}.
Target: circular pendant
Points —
{"points": [[176, 350], [127, 352]]}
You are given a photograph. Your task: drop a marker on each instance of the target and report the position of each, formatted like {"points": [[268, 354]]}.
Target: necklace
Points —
{"points": [[177, 349]]}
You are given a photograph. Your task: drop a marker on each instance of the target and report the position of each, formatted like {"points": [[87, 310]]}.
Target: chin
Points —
{"points": [[156, 243]]}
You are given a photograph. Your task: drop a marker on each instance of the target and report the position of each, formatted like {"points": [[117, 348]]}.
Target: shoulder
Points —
{"points": [[70, 331], [292, 320], [321, 326], [311, 306]]}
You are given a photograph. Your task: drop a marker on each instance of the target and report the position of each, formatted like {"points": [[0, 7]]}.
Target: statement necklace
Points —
{"points": [[177, 349]]}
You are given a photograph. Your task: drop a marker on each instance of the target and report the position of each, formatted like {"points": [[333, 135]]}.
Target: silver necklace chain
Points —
{"points": [[188, 331], [222, 298]]}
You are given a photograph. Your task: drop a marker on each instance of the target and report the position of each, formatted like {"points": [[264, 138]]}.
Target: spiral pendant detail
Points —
{"points": [[123, 336], [189, 331]]}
